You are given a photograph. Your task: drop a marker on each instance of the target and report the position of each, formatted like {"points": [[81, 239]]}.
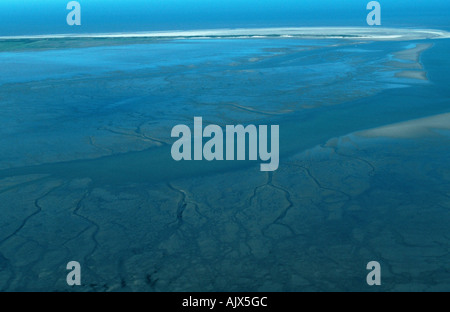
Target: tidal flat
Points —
{"points": [[86, 172]]}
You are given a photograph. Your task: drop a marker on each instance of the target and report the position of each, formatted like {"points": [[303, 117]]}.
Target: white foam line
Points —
{"points": [[351, 33]]}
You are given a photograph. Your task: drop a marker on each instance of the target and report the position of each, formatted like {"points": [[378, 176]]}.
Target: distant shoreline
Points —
{"points": [[350, 33]]}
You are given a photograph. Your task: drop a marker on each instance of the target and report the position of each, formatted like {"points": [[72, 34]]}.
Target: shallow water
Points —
{"points": [[86, 172]]}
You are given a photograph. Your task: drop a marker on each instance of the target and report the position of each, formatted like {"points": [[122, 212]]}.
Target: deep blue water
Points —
{"points": [[86, 172]]}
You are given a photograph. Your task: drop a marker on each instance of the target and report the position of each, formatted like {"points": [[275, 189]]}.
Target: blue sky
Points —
{"points": [[49, 16]]}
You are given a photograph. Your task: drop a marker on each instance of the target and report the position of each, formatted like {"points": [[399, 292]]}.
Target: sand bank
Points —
{"points": [[351, 33], [411, 129]]}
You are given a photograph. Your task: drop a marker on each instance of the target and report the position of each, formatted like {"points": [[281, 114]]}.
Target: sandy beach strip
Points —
{"points": [[412, 74], [408, 62], [413, 54], [412, 128], [350, 33]]}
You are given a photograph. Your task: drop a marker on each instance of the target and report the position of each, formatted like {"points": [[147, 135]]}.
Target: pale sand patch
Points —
{"points": [[401, 65], [411, 129], [410, 59], [412, 55], [420, 75], [350, 33]]}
